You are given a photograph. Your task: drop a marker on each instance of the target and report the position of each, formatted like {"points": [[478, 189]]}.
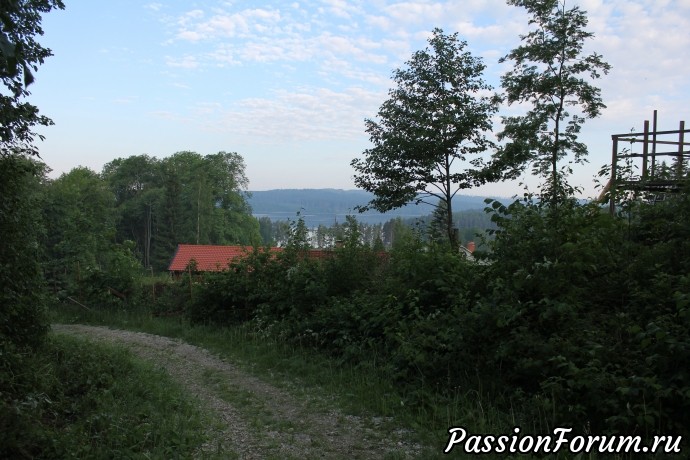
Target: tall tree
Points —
{"points": [[432, 126], [137, 185], [550, 73], [232, 221], [20, 53], [436, 226], [23, 324], [204, 202], [79, 210]]}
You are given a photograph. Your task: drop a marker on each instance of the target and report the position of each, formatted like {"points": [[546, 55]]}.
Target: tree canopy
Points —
{"points": [[432, 126], [550, 73], [20, 53], [184, 198]]}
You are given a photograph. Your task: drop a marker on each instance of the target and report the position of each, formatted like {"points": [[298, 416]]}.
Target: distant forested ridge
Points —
{"points": [[329, 206], [328, 213]]}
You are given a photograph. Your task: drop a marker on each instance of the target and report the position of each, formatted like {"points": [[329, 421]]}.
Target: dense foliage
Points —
{"points": [[20, 54], [107, 229], [184, 198], [23, 323], [469, 225], [578, 317]]}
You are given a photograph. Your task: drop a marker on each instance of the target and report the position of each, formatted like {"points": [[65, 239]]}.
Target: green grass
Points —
{"points": [[325, 383], [357, 390], [92, 400]]}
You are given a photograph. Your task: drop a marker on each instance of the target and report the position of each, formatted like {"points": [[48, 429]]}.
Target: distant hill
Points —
{"points": [[326, 206]]}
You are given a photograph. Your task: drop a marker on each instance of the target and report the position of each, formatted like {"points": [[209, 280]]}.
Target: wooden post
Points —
{"points": [[612, 190], [645, 149], [681, 142], [79, 303], [654, 144]]}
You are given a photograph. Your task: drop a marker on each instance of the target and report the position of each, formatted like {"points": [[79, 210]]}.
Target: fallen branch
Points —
{"points": [[79, 303]]}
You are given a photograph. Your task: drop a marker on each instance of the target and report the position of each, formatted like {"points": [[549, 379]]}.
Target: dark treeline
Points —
{"points": [[472, 226], [105, 228]]}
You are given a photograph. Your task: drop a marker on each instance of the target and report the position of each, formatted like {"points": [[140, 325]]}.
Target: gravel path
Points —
{"points": [[258, 420]]}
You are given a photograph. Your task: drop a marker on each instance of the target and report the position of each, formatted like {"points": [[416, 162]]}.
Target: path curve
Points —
{"points": [[270, 422]]}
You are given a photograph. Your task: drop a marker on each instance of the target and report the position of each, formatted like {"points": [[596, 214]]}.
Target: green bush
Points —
{"points": [[86, 400], [234, 295], [588, 318]]}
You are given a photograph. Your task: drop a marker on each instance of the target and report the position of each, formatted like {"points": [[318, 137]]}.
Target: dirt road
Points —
{"points": [[257, 420]]}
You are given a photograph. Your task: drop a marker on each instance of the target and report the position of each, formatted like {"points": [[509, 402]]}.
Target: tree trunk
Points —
{"points": [[452, 239], [198, 214], [147, 237]]}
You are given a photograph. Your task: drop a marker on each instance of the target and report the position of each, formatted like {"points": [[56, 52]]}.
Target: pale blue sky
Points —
{"points": [[288, 84]]}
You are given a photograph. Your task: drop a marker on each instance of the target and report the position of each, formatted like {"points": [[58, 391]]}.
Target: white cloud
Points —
{"points": [[154, 6], [264, 50], [334, 68], [341, 46], [169, 116], [185, 62], [224, 55], [646, 44], [202, 109], [190, 35], [225, 24], [416, 12], [382, 23], [302, 114], [342, 8]]}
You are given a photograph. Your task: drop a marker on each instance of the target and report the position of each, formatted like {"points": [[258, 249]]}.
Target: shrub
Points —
{"points": [[588, 318]]}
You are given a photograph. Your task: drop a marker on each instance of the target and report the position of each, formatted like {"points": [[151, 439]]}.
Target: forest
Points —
{"points": [[566, 315]]}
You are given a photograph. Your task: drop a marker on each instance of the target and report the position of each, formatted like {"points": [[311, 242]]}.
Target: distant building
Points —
{"points": [[213, 258], [208, 258], [468, 250]]}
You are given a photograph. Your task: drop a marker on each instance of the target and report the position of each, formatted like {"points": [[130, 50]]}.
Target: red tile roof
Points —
{"points": [[208, 258], [217, 258]]}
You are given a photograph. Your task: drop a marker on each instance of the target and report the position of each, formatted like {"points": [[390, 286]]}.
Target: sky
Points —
{"points": [[288, 85]]}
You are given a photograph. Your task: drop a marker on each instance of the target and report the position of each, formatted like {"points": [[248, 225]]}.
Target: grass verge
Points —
{"points": [[92, 400]]}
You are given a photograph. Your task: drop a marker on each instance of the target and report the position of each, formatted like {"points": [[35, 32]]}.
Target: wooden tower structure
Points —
{"points": [[657, 146]]}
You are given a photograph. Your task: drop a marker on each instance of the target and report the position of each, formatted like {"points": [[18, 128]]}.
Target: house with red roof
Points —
{"points": [[208, 258], [214, 258]]}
